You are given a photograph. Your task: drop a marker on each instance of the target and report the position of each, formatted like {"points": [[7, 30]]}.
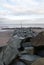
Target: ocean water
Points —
{"points": [[21, 25]]}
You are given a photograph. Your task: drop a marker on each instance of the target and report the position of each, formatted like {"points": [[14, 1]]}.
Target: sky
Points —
{"points": [[22, 10]]}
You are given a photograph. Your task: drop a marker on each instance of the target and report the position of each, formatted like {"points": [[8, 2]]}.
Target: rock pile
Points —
{"points": [[23, 44]]}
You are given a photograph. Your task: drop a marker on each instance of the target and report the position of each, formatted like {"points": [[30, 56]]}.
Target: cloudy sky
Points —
{"points": [[22, 10]]}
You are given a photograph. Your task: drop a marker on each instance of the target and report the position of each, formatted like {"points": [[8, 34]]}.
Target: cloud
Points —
{"points": [[24, 6], [21, 7], [34, 6], [25, 11]]}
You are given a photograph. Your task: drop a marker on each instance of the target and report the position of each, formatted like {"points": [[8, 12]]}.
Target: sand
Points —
{"points": [[4, 37]]}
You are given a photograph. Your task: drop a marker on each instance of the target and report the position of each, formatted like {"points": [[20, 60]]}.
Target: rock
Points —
{"points": [[28, 59], [11, 50], [30, 50], [38, 40], [39, 50], [24, 32], [19, 63], [39, 61], [1, 63]]}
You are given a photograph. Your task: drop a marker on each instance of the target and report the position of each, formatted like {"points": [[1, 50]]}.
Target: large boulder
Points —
{"points": [[11, 50], [39, 61], [38, 40], [28, 59], [1, 63]]}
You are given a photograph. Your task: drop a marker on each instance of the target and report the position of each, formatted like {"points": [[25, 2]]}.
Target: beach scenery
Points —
{"points": [[21, 32]]}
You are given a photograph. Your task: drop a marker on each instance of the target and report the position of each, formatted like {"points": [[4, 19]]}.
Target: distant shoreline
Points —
{"points": [[20, 25]]}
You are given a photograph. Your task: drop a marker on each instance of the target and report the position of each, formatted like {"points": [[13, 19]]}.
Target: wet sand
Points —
{"points": [[5, 35]]}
